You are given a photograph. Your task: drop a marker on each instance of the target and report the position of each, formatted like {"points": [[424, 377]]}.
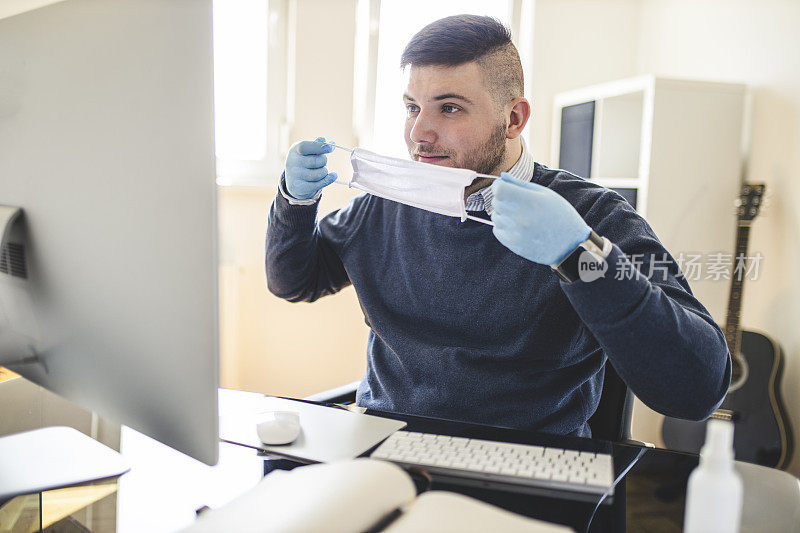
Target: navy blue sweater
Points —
{"points": [[463, 328]]}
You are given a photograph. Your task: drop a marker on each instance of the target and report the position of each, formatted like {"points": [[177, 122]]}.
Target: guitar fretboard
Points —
{"points": [[737, 286]]}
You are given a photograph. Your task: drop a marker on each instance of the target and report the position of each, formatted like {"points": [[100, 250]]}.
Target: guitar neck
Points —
{"points": [[732, 325]]}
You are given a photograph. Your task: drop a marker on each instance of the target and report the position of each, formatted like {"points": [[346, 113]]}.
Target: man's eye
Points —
{"points": [[411, 109], [448, 108]]}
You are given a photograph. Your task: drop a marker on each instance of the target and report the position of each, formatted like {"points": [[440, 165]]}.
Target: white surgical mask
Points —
{"points": [[430, 187]]}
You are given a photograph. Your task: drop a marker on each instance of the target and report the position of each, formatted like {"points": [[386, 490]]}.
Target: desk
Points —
{"points": [[164, 487], [649, 498]]}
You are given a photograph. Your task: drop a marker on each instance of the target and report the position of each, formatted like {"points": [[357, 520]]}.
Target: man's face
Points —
{"points": [[452, 119]]}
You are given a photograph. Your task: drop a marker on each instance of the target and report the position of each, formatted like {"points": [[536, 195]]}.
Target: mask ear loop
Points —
{"points": [[336, 146], [343, 148], [478, 219]]}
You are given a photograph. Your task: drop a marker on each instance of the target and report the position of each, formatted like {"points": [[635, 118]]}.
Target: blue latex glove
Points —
{"points": [[305, 171], [534, 221]]}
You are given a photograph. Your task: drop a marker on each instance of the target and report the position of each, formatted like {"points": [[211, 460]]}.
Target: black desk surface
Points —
{"points": [[650, 497]]}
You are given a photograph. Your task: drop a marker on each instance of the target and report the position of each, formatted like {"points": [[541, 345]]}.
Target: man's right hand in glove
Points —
{"points": [[305, 173]]}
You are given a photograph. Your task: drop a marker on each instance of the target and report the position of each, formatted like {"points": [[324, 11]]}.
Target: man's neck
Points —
{"points": [[513, 153]]}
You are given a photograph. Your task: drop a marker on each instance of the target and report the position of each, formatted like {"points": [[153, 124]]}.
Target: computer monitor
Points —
{"points": [[108, 296]]}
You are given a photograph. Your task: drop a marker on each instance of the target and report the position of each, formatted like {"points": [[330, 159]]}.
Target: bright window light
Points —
{"points": [[399, 21], [240, 78]]}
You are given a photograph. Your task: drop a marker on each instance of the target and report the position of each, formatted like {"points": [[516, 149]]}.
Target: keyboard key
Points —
{"points": [[485, 444], [552, 453], [576, 477], [535, 450], [596, 481]]}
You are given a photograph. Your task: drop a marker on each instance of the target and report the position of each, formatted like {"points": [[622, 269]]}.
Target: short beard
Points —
{"points": [[488, 160], [485, 161]]}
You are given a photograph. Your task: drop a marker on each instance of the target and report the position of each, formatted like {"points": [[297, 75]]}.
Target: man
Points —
{"points": [[471, 322]]}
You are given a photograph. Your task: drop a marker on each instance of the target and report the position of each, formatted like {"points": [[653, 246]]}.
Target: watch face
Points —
{"points": [[568, 269]]}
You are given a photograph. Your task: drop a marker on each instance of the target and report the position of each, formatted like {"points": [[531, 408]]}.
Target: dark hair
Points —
{"points": [[460, 39]]}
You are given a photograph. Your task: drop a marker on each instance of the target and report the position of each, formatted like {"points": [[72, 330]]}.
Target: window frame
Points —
{"points": [[279, 116]]}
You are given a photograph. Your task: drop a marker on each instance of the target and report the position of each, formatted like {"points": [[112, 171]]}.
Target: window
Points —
{"points": [[250, 92], [385, 27]]}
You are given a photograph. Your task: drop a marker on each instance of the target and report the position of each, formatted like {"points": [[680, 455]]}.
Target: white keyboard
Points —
{"points": [[484, 460]]}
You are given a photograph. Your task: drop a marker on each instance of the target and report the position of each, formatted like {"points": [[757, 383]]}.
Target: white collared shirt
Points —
{"points": [[522, 170]]}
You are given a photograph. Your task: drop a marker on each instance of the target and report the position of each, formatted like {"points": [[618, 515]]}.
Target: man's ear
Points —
{"points": [[518, 111]]}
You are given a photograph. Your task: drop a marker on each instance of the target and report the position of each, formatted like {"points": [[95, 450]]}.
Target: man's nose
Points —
{"points": [[423, 130]]}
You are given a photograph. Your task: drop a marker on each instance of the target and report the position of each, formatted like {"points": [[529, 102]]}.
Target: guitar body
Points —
{"points": [[762, 434]]}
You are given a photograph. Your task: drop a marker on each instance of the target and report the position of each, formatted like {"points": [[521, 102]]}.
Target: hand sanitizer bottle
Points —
{"points": [[714, 492]]}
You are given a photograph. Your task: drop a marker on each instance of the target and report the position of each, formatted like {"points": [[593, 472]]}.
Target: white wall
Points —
{"points": [[577, 43], [757, 43]]}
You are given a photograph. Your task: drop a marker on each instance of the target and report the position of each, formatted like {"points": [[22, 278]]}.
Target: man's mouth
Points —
{"points": [[430, 158]]}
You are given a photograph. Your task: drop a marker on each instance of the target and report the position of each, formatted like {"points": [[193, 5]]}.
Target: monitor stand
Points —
{"points": [[52, 458]]}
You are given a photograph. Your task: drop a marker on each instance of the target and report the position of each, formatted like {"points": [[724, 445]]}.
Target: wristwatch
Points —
{"points": [[598, 248]]}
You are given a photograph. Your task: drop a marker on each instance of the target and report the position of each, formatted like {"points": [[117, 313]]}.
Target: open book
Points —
{"points": [[353, 496]]}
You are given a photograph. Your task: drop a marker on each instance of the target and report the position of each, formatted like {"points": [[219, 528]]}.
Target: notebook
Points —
{"points": [[358, 495]]}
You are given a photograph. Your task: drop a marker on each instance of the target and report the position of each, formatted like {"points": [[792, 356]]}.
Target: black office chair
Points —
{"points": [[611, 421]]}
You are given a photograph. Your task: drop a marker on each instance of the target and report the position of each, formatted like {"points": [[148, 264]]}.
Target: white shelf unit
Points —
{"points": [[678, 144]]}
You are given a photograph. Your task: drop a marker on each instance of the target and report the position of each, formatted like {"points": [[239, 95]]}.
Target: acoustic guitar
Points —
{"points": [[762, 434]]}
